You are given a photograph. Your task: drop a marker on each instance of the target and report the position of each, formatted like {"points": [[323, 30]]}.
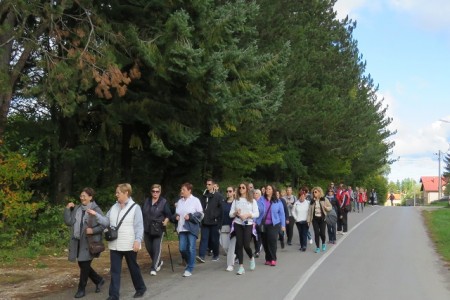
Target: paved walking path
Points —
{"points": [[386, 255]]}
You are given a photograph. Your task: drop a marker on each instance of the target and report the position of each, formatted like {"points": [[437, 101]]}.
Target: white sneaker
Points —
{"points": [[230, 268], [187, 274], [310, 241], [159, 267], [153, 273], [343, 233]]}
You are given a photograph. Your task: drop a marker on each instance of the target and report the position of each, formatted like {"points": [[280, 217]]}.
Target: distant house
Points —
{"points": [[397, 200], [430, 188]]}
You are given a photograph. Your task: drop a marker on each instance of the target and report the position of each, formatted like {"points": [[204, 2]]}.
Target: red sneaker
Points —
{"points": [[268, 263], [273, 263]]}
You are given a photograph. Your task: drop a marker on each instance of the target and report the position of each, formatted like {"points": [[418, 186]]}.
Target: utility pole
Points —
{"points": [[439, 178]]}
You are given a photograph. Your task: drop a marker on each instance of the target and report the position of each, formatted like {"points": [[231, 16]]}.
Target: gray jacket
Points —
{"points": [[79, 249]]}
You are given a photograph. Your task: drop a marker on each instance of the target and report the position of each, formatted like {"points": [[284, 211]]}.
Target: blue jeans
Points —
{"points": [[210, 233], [187, 249], [332, 232], [116, 270]]}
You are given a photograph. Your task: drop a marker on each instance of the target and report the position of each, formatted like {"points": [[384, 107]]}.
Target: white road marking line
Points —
{"points": [[302, 281]]}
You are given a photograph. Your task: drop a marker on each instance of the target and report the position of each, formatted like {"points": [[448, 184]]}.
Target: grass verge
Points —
{"points": [[438, 224]]}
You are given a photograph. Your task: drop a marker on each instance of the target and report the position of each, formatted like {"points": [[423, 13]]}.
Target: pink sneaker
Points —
{"points": [[273, 263], [268, 263]]}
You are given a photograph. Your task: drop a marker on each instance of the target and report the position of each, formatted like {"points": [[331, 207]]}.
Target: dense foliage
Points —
{"points": [[105, 91]]}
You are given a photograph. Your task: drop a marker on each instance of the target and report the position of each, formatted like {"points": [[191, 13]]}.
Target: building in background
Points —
{"points": [[430, 188]]}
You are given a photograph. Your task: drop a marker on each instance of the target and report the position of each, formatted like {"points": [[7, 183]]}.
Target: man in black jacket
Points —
{"points": [[212, 208]]}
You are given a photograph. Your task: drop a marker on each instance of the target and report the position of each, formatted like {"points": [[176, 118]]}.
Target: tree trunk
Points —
{"points": [[64, 163], [126, 155]]}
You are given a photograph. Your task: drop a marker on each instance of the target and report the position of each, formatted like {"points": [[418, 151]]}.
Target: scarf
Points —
{"points": [[80, 220]]}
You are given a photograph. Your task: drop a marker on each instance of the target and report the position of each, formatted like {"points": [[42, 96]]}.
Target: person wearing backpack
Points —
{"points": [[344, 206], [332, 228]]}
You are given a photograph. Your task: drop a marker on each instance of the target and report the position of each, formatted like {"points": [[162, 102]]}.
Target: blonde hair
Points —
{"points": [[158, 186], [125, 188], [319, 189]]}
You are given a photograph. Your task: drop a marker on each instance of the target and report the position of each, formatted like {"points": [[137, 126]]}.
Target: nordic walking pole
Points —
{"points": [[170, 256]]}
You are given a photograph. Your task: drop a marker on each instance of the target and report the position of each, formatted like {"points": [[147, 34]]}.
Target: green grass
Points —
{"points": [[440, 203], [438, 223]]}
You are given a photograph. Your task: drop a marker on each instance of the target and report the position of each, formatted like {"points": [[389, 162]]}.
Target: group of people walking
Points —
{"points": [[264, 216]]}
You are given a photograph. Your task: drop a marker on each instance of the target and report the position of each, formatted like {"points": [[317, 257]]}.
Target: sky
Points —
{"points": [[406, 45]]}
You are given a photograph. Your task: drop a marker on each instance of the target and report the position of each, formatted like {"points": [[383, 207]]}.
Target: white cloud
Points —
{"points": [[414, 168], [416, 146], [351, 7], [430, 138], [432, 14], [348, 7], [428, 14]]}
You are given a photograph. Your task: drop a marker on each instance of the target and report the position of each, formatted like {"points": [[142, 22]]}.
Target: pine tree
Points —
{"points": [[331, 121]]}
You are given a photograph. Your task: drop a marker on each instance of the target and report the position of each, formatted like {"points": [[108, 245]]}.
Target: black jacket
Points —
{"points": [[157, 212], [212, 208]]}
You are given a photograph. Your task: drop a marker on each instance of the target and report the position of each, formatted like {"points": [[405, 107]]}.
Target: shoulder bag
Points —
{"points": [[95, 248], [111, 232], [156, 228], [262, 226]]}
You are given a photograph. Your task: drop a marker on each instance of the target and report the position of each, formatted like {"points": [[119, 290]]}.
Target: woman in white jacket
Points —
{"points": [[244, 210], [300, 214]]}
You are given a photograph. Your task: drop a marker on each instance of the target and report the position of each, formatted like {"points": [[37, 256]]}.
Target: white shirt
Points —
{"points": [[246, 207], [300, 210], [185, 207]]}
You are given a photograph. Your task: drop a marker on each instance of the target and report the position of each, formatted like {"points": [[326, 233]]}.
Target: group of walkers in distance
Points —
{"points": [[232, 222]]}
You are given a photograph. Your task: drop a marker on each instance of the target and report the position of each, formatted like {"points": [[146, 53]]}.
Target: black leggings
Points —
{"points": [[319, 226], [243, 239]]}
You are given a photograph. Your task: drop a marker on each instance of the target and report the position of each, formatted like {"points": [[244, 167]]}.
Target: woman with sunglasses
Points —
{"points": [[156, 214], [244, 210], [228, 244], [318, 209]]}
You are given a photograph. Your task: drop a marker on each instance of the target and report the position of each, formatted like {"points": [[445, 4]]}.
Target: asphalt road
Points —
{"points": [[386, 254]]}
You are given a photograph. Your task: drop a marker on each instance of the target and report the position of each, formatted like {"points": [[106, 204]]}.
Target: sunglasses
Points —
{"points": [[316, 191], [154, 191], [229, 191], [242, 187]]}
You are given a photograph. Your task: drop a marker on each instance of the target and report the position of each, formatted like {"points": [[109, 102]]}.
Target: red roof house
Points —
{"points": [[430, 188]]}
